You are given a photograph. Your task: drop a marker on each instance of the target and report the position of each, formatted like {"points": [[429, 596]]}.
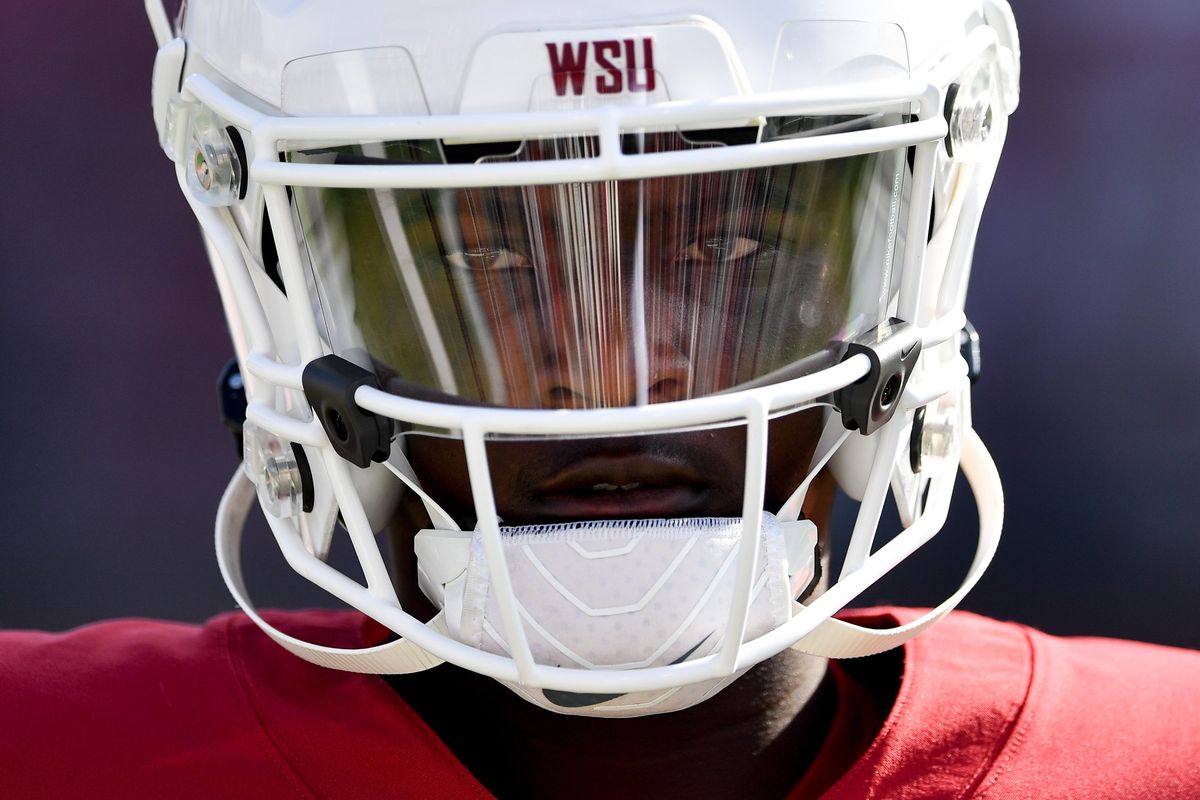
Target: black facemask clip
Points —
{"points": [[357, 435], [868, 403]]}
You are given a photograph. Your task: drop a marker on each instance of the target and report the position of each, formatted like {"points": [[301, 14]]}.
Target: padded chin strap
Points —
{"points": [[830, 639]]}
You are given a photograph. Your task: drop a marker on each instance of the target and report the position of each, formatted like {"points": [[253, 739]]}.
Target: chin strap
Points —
{"points": [[831, 638], [392, 658], [837, 639]]}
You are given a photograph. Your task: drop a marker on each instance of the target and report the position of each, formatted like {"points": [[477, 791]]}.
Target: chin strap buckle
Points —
{"points": [[868, 403], [356, 434]]}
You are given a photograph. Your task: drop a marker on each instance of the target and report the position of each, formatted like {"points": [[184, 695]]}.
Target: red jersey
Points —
{"points": [[154, 709]]}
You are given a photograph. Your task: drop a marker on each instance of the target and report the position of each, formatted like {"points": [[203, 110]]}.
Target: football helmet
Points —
{"points": [[588, 237]]}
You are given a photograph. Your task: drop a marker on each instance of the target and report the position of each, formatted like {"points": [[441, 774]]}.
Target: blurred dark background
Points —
{"points": [[1085, 292]]}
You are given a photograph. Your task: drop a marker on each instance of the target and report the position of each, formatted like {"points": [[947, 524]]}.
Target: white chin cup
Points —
{"points": [[617, 594]]}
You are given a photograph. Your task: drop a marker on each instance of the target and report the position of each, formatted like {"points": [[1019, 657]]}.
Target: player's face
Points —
{"points": [[596, 295], [695, 267], [600, 294], [657, 264]]}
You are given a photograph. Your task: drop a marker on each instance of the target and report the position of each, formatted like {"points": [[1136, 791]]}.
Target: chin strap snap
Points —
{"points": [[831, 638]]}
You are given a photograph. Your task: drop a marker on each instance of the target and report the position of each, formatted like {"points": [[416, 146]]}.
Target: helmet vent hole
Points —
{"points": [[239, 147], [270, 254]]}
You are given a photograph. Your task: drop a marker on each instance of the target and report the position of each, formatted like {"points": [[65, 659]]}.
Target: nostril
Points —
{"points": [[666, 391], [564, 397]]}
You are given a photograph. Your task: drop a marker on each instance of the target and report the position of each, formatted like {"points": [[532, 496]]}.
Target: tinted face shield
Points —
{"points": [[602, 294]]}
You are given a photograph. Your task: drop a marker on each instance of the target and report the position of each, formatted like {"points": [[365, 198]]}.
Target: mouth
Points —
{"points": [[622, 487]]}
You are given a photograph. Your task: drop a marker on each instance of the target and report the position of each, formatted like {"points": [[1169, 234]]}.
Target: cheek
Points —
{"points": [[441, 468], [818, 505], [791, 441]]}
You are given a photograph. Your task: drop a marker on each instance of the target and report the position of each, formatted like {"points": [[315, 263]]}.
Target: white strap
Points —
{"points": [[400, 656], [837, 639], [398, 464]]}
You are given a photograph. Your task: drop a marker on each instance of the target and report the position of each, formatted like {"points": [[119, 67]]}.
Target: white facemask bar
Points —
{"points": [[426, 645], [752, 407]]}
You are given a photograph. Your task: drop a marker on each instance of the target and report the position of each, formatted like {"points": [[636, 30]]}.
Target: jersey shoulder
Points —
{"points": [[998, 710], [1112, 718], [110, 703], [146, 708]]}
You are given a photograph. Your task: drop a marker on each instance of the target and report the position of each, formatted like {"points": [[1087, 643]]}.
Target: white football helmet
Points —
{"points": [[592, 235]]}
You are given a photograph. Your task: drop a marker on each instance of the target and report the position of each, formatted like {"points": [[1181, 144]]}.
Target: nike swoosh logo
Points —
{"points": [[582, 699]]}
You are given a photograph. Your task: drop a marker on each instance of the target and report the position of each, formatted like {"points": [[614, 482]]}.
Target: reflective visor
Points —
{"points": [[600, 294]]}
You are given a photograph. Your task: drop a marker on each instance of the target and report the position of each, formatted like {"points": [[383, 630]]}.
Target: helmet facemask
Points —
{"points": [[600, 281]]}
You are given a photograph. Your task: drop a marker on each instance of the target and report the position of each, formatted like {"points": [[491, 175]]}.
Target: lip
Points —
{"points": [[673, 501], [660, 487], [650, 471]]}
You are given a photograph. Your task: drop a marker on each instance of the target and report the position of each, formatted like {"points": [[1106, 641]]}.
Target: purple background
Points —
{"points": [[1085, 293]]}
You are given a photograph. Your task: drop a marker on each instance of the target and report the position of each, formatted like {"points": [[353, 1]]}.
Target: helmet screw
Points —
{"points": [[281, 480], [203, 173]]}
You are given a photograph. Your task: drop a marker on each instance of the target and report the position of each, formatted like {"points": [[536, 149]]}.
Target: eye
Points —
{"points": [[722, 249], [487, 259]]}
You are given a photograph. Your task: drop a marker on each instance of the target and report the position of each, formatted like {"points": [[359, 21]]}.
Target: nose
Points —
{"points": [[612, 377]]}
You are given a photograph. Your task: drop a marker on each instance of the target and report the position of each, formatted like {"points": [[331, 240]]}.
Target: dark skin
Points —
{"points": [[717, 250], [754, 739]]}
